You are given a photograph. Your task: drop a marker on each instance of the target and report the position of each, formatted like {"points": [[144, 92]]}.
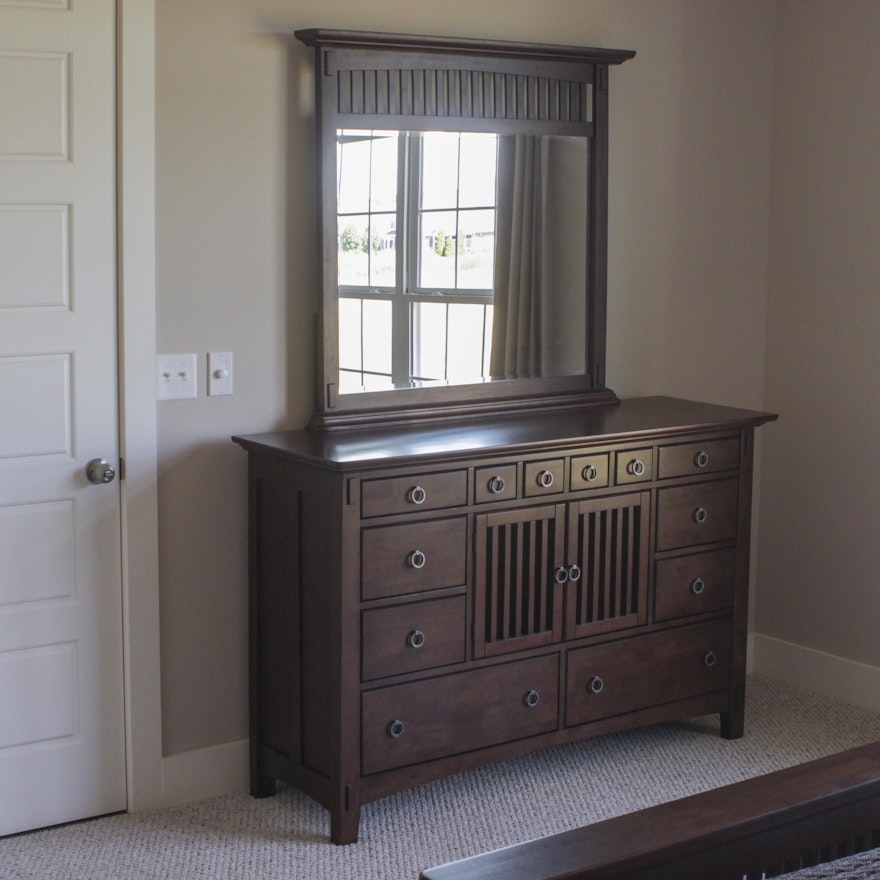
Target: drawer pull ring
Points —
{"points": [[700, 515], [701, 459], [545, 479], [531, 699], [710, 659], [697, 586], [636, 467], [574, 573], [590, 473], [416, 639], [560, 575], [496, 485], [416, 495], [416, 559], [596, 685], [395, 729]]}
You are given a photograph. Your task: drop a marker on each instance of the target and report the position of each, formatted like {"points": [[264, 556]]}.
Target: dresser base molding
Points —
{"points": [[427, 600]]}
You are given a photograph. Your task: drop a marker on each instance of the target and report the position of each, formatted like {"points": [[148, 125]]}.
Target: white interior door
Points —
{"points": [[62, 741]]}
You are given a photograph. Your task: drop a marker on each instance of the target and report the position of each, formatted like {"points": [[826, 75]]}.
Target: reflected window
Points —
{"points": [[416, 255]]}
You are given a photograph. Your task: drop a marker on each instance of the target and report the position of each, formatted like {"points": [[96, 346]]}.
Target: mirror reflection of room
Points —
{"points": [[461, 257]]}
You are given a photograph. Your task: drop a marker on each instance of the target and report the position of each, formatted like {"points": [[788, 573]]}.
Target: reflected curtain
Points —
{"points": [[519, 258]]}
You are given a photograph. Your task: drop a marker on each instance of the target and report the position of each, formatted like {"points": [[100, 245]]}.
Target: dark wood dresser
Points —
{"points": [[424, 599]]}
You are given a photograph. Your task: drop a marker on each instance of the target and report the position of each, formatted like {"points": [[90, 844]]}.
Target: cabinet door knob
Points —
{"points": [[697, 586], [496, 485], [636, 467], [531, 699], [710, 660], [574, 573], [416, 495], [701, 459], [395, 728], [416, 639], [545, 479], [560, 575], [700, 515], [590, 473], [596, 685], [416, 559]]}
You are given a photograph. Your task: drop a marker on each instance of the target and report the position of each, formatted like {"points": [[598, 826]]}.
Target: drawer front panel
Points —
{"points": [[544, 478], [413, 557], [412, 637], [409, 723], [699, 458], [495, 483], [589, 472], [694, 584], [620, 677], [413, 493], [634, 466], [697, 514]]}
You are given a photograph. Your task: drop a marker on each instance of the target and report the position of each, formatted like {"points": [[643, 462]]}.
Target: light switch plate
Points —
{"points": [[176, 377], [219, 373]]}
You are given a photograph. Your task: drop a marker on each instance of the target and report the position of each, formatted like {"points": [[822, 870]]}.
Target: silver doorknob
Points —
{"points": [[99, 471]]}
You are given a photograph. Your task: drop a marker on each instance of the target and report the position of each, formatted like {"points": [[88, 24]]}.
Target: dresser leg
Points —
{"points": [[733, 722], [262, 786], [344, 825]]}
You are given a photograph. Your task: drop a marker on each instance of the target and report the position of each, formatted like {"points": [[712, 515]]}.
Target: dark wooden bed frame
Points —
{"points": [[773, 824]]}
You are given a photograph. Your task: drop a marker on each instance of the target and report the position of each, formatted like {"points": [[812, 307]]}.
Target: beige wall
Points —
{"points": [[819, 557], [690, 172]]}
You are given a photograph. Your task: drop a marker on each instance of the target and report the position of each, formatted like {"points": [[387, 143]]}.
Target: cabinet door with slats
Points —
{"points": [[518, 592], [607, 561]]}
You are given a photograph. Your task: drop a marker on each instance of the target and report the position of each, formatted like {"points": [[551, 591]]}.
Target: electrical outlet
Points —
{"points": [[175, 377], [219, 373]]}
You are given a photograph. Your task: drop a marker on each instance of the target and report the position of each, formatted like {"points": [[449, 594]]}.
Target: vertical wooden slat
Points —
{"points": [[544, 567], [517, 582]]}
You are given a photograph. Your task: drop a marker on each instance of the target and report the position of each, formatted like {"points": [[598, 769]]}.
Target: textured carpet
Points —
{"points": [[286, 836]]}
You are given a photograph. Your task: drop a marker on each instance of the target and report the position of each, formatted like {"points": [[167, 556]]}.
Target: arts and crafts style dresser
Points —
{"points": [[445, 572]]}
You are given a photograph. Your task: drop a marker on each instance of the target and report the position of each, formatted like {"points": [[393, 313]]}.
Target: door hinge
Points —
{"points": [[121, 469]]}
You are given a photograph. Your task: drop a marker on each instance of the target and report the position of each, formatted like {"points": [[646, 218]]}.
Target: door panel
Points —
{"points": [[62, 746]]}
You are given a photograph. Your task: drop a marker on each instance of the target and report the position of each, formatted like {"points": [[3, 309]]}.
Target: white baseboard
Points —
{"points": [[203, 773], [826, 674]]}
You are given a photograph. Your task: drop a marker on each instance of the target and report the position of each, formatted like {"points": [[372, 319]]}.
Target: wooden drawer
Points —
{"points": [[685, 459], [634, 466], [412, 637], [413, 493], [697, 514], [497, 483], [694, 584], [544, 477], [423, 720], [637, 673], [589, 472], [413, 557]]}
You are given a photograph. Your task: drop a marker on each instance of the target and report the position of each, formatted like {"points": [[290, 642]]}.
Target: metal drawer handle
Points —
{"points": [[701, 459], [700, 515], [395, 728], [710, 660], [590, 473], [596, 685], [545, 479], [416, 639], [636, 467], [496, 485], [531, 699], [416, 559], [416, 495], [560, 575], [574, 573], [697, 586]]}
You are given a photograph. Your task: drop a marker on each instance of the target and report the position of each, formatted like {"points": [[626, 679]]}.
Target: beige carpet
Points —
{"points": [[239, 838]]}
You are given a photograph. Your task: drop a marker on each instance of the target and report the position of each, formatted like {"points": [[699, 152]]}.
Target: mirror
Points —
{"points": [[461, 257], [463, 194]]}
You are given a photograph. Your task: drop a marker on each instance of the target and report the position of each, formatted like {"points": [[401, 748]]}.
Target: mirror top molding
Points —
{"points": [[543, 338]]}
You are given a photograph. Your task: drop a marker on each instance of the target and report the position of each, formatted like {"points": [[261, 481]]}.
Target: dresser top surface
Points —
{"points": [[625, 420]]}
